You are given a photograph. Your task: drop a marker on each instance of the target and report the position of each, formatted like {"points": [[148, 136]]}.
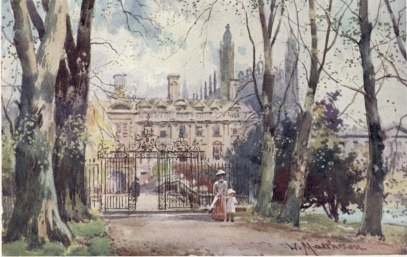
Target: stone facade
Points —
{"points": [[215, 124], [395, 145], [215, 120], [213, 117]]}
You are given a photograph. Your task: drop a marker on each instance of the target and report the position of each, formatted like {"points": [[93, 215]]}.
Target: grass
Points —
{"points": [[98, 244], [93, 228], [395, 233], [321, 224], [18, 248]]}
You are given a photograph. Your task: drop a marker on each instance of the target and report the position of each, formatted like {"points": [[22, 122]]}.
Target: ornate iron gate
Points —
{"points": [[181, 179], [118, 172]]}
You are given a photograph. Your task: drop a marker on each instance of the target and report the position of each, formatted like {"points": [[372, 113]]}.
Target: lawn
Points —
{"points": [[91, 240]]}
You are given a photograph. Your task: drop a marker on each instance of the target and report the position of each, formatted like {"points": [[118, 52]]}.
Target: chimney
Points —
{"points": [[174, 91], [119, 79], [119, 83]]}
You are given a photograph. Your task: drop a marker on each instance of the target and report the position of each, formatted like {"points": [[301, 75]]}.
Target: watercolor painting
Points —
{"points": [[204, 127]]}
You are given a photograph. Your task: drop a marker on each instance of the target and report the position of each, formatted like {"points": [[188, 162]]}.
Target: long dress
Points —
{"points": [[219, 211]]}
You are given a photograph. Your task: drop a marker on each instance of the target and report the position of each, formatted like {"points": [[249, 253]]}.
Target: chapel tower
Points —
{"points": [[227, 69]]}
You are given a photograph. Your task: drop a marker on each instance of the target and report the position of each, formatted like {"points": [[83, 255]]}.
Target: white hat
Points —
{"points": [[231, 191], [220, 172]]}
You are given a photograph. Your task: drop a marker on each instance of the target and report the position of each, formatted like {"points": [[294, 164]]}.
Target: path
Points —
{"points": [[196, 234]]}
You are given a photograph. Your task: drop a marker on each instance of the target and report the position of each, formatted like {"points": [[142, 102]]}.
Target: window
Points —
{"points": [[125, 130], [199, 131], [122, 129], [182, 131], [216, 131], [163, 133], [234, 131], [217, 150]]}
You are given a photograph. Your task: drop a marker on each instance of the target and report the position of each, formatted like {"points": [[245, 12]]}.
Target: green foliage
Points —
{"points": [[100, 246], [319, 223], [333, 174], [53, 249], [78, 250], [322, 225], [19, 248], [97, 245], [331, 181], [92, 228], [247, 156], [15, 249]]}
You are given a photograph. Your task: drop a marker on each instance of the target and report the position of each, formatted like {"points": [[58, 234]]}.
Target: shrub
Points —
{"points": [[331, 181], [93, 228], [100, 246]]}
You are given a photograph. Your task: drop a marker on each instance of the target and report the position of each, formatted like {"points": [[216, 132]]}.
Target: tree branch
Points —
{"points": [[273, 41], [396, 29], [351, 102], [256, 91], [185, 36], [6, 37], [342, 85], [138, 18], [11, 125], [104, 44], [36, 19], [271, 18]]}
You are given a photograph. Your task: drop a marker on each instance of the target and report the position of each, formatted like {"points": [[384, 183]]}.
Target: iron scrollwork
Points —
{"points": [[148, 142], [102, 149]]}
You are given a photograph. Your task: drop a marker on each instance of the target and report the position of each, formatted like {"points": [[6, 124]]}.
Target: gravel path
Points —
{"points": [[196, 234]]}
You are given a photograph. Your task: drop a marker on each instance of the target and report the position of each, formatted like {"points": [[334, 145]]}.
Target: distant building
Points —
{"points": [[215, 123], [395, 145], [213, 116], [227, 70]]}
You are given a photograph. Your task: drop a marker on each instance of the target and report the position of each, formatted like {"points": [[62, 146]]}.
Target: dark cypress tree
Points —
{"points": [[214, 83], [210, 85], [206, 90]]}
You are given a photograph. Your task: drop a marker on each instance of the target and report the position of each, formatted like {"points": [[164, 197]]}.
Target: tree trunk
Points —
{"points": [[265, 194], [396, 30], [36, 216], [267, 167], [290, 213], [372, 212], [72, 89]]}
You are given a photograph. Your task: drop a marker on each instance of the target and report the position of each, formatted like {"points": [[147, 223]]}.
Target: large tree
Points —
{"points": [[290, 213], [265, 194], [71, 92], [36, 217], [373, 205]]}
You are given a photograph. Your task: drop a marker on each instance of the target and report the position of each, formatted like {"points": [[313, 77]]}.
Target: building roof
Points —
{"points": [[196, 104]]}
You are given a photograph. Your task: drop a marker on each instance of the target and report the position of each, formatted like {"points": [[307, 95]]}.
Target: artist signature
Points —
{"points": [[308, 248]]}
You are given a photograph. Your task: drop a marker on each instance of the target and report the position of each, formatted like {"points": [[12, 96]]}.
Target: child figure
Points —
{"points": [[230, 205]]}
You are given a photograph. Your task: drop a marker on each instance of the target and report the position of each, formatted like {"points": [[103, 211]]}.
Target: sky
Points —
{"points": [[175, 41]]}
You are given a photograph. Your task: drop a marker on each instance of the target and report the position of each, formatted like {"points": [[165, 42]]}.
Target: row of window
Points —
{"points": [[123, 131], [199, 131]]}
